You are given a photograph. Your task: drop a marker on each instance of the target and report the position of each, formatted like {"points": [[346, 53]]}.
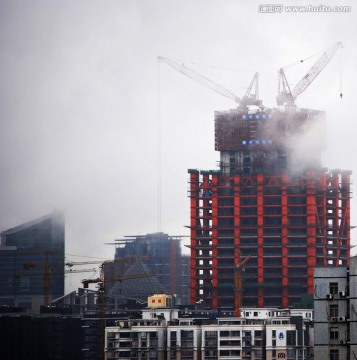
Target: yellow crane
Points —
{"points": [[238, 286], [102, 295]]}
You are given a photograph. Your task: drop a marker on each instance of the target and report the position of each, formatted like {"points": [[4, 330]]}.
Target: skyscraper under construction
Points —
{"points": [[271, 204]]}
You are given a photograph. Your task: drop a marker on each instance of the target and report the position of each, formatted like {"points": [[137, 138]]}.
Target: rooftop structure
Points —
{"points": [[255, 140]]}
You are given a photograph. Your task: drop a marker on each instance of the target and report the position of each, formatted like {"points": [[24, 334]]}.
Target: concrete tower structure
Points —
{"points": [[270, 201]]}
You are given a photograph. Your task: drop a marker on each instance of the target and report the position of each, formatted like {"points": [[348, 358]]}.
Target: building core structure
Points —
{"points": [[271, 202]]}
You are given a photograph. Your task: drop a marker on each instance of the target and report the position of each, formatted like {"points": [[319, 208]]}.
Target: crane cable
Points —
{"points": [[302, 60], [341, 58], [210, 66], [159, 146], [311, 56]]}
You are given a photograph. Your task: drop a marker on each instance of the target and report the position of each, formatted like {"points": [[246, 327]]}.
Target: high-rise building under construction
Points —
{"points": [[272, 205]]}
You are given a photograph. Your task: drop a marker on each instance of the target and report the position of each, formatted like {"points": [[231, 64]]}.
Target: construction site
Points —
{"points": [[259, 226], [271, 205]]}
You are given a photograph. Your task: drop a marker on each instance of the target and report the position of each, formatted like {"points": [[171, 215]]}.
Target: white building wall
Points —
{"points": [[353, 307], [237, 338], [332, 312]]}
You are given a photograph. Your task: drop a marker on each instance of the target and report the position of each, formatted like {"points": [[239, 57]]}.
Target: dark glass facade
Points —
{"points": [[32, 262], [162, 255]]}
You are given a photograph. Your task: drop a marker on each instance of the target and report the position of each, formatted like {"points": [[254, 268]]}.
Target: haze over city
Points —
{"points": [[84, 102]]}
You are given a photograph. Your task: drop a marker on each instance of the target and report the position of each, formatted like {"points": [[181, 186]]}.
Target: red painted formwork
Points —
{"points": [[286, 224]]}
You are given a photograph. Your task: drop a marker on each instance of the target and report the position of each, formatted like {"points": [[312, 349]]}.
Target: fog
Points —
{"points": [[84, 102]]}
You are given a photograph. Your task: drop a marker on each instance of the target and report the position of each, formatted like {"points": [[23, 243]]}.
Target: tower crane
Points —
{"points": [[286, 96], [102, 295], [74, 263], [238, 286], [46, 271], [183, 69], [251, 98], [248, 99]]}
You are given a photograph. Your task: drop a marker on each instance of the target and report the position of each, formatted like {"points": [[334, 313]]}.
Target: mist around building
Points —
{"points": [[268, 275]]}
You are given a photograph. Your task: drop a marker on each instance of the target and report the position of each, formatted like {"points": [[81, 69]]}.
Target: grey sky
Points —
{"points": [[79, 106]]}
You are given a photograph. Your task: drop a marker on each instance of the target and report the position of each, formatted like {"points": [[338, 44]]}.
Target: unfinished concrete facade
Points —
{"points": [[272, 201]]}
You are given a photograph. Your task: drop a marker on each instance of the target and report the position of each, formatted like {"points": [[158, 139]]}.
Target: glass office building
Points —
{"points": [[32, 262]]}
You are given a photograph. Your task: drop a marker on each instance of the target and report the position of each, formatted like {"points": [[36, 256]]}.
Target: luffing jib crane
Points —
{"points": [[200, 79], [249, 98], [288, 97]]}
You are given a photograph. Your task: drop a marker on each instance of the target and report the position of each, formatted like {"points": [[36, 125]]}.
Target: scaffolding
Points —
{"points": [[270, 200], [286, 224]]}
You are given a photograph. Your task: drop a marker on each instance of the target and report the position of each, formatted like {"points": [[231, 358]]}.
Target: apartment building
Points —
{"points": [[167, 333], [335, 305]]}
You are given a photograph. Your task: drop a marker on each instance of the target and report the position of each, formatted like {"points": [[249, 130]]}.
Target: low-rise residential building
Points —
{"points": [[168, 333]]}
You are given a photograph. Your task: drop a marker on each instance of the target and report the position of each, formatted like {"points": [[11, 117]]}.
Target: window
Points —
{"points": [[24, 284], [186, 334], [333, 310], [235, 352], [334, 288], [211, 353], [291, 337], [334, 333], [211, 334], [334, 355]]}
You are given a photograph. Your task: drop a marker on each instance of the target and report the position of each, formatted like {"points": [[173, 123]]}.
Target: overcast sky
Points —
{"points": [[82, 94]]}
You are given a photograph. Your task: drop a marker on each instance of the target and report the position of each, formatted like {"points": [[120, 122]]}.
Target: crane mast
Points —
{"points": [[251, 98], [238, 285]]}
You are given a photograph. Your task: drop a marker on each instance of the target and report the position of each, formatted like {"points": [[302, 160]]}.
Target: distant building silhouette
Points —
{"points": [[32, 262], [161, 253]]}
